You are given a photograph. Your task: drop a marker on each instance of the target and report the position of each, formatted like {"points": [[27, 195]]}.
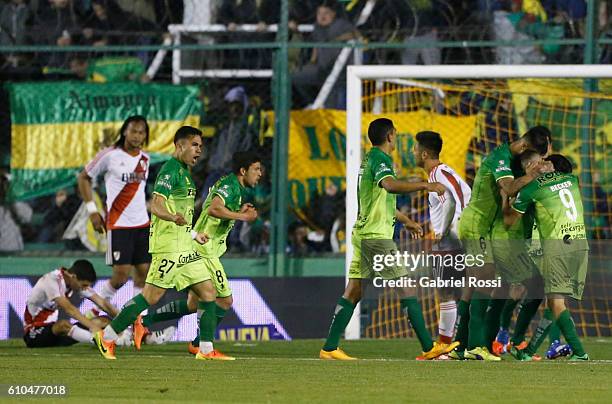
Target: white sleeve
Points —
{"points": [[87, 293], [51, 286], [99, 164], [448, 200]]}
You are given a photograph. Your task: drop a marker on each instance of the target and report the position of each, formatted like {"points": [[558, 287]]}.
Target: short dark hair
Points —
{"points": [[561, 163], [244, 160], [527, 156], [83, 270], [430, 141], [133, 118], [538, 139], [185, 132], [378, 130]]}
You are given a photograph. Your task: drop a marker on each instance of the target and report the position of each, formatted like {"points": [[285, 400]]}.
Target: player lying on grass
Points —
{"points": [[52, 292], [444, 211], [373, 235], [222, 207], [560, 221], [175, 264], [494, 175]]}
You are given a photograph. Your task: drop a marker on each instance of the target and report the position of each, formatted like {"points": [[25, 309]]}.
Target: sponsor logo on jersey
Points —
{"points": [[187, 258]]}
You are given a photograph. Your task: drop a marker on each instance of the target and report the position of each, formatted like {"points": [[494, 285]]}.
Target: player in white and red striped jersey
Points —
{"points": [[444, 212], [125, 168], [52, 292]]}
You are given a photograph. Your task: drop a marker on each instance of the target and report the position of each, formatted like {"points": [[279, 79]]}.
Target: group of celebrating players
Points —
{"points": [[519, 187]]}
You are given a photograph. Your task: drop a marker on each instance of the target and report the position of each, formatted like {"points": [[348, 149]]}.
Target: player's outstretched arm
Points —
{"points": [[104, 305], [218, 209], [395, 186], [415, 229], [73, 312], [158, 208]]}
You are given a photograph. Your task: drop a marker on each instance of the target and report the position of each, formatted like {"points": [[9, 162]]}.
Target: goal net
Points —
{"points": [[476, 108]]}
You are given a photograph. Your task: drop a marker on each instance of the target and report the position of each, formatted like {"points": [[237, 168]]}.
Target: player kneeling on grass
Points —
{"points": [[51, 292], [223, 206], [175, 264], [560, 221], [373, 235]]}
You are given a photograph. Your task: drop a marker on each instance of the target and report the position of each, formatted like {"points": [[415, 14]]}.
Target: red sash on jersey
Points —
{"points": [[126, 195], [38, 321]]}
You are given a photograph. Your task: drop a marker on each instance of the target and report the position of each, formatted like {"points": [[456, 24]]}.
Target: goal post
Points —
{"points": [[356, 75]]}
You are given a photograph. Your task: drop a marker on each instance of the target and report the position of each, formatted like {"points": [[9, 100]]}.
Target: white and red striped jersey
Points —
{"points": [[125, 177], [444, 210], [41, 308]]}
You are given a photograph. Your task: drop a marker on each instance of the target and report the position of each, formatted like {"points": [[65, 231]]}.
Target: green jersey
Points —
{"points": [[522, 229], [113, 69], [230, 191], [485, 202], [376, 215], [558, 211], [175, 185]]}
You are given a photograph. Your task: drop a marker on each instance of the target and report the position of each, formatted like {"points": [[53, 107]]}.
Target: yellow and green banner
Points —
{"points": [[317, 146], [57, 127]]}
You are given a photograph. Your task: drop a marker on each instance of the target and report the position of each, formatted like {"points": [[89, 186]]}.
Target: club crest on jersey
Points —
{"points": [[116, 255]]}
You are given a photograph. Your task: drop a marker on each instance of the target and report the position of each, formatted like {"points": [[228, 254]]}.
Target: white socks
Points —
{"points": [[206, 347], [79, 334], [448, 316], [110, 334]]}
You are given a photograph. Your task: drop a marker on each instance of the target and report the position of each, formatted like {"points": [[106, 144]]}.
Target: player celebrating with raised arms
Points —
{"points": [[444, 212], [175, 264], [52, 291], [125, 168], [222, 207], [373, 235], [560, 222]]}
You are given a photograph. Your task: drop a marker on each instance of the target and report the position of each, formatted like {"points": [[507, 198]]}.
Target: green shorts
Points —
{"points": [[217, 274], [475, 241], [565, 273], [176, 270], [367, 254], [512, 260]]}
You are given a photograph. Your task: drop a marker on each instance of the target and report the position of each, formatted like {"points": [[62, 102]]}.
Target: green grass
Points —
{"points": [[281, 371]]}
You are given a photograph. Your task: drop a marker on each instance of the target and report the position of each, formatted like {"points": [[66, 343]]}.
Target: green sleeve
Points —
{"points": [[501, 166], [382, 167], [525, 198], [225, 191], [165, 182]]}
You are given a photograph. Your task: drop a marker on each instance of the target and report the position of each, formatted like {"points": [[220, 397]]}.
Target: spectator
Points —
{"points": [[57, 25], [325, 209], [143, 9], [427, 21], [233, 136], [13, 19], [260, 12], [198, 12], [60, 212], [309, 78], [506, 24], [12, 215], [102, 26], [109, 69]]}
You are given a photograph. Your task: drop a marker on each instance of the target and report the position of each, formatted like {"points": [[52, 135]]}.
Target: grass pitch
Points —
{"points": [[280, 371]]}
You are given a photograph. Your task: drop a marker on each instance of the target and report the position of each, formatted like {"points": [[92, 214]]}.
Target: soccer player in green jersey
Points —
{"points": [[560, 220], [495, 175], [373, 235], [174, 261], [222, 207]]}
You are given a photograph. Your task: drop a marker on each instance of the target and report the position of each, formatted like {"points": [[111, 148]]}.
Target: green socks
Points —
{"points": [[208, 321], [129, 313], [528, 310], [478, 310], [554, 333], [170, 311], [220, 313], [540, 334], [506, 314], [492, 317], [568, 329], [463, 320], [342, 316], [412, 308]]}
